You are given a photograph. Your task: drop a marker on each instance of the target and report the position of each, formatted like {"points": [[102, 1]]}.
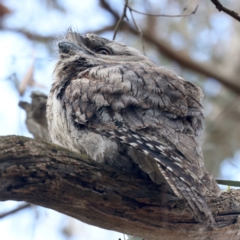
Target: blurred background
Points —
{"points": [[203, 48]]}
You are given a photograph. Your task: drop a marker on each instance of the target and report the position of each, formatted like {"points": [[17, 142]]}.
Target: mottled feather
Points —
{"points": [[113, 103]]}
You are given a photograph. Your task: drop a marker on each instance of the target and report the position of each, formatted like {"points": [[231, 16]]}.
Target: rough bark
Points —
{"points": [[70, 183]]}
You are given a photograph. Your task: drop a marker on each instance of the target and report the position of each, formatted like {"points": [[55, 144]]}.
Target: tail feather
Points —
{"points": [[196, 202]]}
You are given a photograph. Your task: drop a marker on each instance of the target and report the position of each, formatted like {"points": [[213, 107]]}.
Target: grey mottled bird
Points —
{"points": [[110, 101]]}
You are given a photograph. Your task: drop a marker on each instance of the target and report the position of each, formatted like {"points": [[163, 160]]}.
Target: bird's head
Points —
{"points": [[79, 52], [93, 46]]}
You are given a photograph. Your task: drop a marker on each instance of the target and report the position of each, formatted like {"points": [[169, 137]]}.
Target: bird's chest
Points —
{"points": [[63, 132]]}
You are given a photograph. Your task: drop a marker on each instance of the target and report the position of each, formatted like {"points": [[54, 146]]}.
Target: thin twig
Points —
{"points": [[126, 6], [220, 8], [164, 15], [186, 7], [105, 5], [121, 19], [183, 59], [21, 207], [228, 182], [139, 31]]}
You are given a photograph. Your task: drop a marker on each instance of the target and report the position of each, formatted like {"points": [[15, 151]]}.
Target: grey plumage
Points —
{"points": [[113, 103]]}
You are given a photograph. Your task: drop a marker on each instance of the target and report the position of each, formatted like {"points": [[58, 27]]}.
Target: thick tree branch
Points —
{"points": [[48, 175], [220, 8]]}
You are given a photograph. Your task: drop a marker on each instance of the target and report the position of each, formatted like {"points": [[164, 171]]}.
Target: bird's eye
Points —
{"points": [[102, 51]]}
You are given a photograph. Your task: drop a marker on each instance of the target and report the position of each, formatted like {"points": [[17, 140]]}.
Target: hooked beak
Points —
{"points": [[66, 47]]}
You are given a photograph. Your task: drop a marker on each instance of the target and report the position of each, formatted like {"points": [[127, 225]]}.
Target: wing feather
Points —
{"points": [[154, 112]]}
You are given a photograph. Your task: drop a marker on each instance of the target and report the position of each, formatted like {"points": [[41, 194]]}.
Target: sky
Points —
{"points": [[17, 55]]}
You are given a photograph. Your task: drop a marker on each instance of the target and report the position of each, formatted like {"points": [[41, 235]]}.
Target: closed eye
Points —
{"points": [[102, 51]]}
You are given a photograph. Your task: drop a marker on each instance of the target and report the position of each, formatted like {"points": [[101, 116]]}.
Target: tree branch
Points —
{"points": [[181, 58], [21, 207], [185, 61], [30, 35], [220, 8], [50, 176], [124, 15], [164, 15]]}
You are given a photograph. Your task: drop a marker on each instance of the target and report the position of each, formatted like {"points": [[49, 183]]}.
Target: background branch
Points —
{"points": [[220, 7], [180, 57], [21, 207], [164, 15], [30, 35], [124, 15]]}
